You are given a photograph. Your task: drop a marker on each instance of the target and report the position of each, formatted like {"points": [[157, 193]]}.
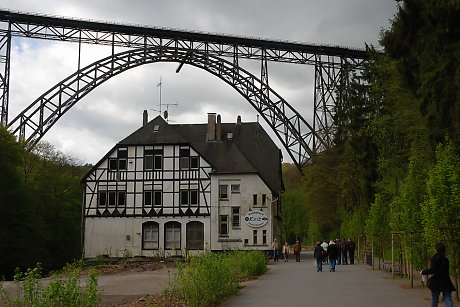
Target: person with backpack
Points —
{"points": [[440, 281], [318, 255], [343, 252]]}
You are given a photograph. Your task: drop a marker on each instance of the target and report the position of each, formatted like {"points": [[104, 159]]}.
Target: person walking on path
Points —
{"points": [[324, 246], [440, 281], [343, 252], [351, 250], [318, 255], [275, 250], [286, 251], [297, 249], [333, 253]]}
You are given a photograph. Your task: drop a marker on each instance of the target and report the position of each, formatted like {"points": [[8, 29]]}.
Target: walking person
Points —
{"points": [[333, 253], [286, 251], [318, 255], [351, 250], [440, 281], [297, 250], [275, 250], [324, 245]]}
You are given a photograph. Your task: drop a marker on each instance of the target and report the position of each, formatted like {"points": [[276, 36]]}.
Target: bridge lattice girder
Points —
{"points": [[291, 129], [329, 61]]}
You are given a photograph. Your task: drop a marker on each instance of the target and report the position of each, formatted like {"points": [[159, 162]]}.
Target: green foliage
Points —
{"points": [[40, 207], [441, 210], [62, 291], [208, 278]]}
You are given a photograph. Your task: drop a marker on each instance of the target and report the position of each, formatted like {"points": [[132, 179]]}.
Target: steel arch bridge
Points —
{"points": [[301, 139]]}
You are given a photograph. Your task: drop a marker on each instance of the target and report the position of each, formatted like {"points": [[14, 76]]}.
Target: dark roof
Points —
{"points": [[250, 150]]}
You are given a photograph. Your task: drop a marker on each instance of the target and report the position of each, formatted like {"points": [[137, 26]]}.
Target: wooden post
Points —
{"points": [[400, 260], [393, 255], [357, 253], [372, 246], [411, 273], [383, 253]]}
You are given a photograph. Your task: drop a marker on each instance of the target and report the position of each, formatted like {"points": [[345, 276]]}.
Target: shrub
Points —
{"points": [[63, 291], [208, 278]]}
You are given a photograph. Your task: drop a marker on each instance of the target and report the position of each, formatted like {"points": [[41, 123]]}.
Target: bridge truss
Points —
{"points": [[217, 54]]}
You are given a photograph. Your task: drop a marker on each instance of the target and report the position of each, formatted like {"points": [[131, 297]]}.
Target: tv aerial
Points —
{"points": [[162, 111]]}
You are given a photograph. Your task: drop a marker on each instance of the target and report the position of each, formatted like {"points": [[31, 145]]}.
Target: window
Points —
{"points": [[264, 199], [150, 235], [223, 225], [122, 164], [195, 235], [236, 217], [194, 162], [184, 157], [152, 198], [113, 164], [194, 197], [147, 198], [264, 237], [172, 235], [153, 159], [254, 199], [254, 237], [121, 201], [157, 197], [184, 197], [158, 162], [102, 199], [235, 188], [223, 191], [112, 199], [122, 155], [148, 160]]}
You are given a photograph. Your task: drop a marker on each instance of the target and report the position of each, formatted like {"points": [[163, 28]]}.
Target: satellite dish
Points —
{"points": [[165, 114]]}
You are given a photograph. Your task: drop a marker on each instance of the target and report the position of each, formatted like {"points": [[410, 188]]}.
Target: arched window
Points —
{"points": [[172, 235], [195, 235], [150, 235]]}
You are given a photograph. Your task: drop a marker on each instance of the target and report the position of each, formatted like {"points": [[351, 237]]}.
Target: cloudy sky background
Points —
{"points": [[114, 110]]}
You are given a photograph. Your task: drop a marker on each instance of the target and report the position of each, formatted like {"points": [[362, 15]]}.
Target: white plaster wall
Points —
{"points": [[108, 236], [249, 184]]}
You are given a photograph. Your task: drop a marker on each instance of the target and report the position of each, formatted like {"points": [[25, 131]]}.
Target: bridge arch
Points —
{"points": [[296, 135]]}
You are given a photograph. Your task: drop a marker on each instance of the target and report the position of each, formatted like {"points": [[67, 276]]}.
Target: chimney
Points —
{"points": [[211, 127], [145, 118], [238, 120], [218, 129]]}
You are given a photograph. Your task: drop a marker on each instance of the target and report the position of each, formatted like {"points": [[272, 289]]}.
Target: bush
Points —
{"points": [[63, 291], [210, 277]]}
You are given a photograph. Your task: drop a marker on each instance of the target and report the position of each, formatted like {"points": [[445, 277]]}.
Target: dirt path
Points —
{"points": [[125, 287]]}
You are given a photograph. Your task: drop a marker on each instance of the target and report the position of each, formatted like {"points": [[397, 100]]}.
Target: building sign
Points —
{"points": [[255, 219]]}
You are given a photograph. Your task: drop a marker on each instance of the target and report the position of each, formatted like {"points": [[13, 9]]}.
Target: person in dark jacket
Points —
{"points": [[440, 281], [318, 255], [333, 253], [351, 250]]}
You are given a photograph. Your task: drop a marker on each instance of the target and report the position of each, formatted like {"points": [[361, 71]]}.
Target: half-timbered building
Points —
{"points": [[171, 188]]}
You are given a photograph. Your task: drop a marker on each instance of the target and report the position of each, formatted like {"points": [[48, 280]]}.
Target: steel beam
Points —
{"points": [[5, 54]]}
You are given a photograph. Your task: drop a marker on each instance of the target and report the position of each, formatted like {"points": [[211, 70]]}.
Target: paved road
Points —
{"points": [[298, 284]]}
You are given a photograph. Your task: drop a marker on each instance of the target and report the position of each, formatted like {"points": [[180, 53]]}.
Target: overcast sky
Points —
{"points": [[114, 110]]}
